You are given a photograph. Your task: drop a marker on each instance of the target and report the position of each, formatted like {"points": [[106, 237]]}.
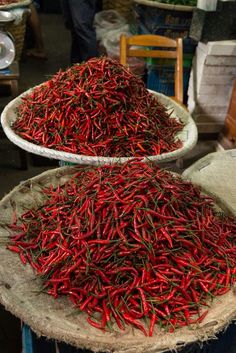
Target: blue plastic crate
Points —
{"points": [[154, 17], [189, 45], [27, 340], [161, 79], [33, 344], [226, 343], [5, 71]]}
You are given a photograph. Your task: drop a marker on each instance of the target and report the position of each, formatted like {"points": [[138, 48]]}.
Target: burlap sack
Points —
{"points": [[20, 293], [216, 174]]}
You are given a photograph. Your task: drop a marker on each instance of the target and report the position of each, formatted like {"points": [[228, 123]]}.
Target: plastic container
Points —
{"points": [[187, 61], [154, 18], [160, 75], [161, 79], [34, 344], [226, 342], [189, 45]]}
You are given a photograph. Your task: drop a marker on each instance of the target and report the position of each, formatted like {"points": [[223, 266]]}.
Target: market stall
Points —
{"points": [[117, 253]]}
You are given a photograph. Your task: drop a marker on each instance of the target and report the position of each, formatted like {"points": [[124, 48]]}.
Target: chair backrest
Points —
{"points": [[129, 47]]}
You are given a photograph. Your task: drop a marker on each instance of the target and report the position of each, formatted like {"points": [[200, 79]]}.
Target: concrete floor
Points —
{"points": [[33, 72]]}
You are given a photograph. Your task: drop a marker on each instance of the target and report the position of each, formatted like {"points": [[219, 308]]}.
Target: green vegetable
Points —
{"points": [[179, 2]]}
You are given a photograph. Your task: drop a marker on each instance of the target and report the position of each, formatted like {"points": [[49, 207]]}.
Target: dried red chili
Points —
{"points": [[97, 108], [130, 244]]}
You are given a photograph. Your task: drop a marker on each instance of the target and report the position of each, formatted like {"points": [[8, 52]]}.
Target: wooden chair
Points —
{"points": [[143, 46]]}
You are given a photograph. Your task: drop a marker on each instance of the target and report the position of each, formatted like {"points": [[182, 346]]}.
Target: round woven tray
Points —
{"points": [[161, 5], [20, 292], [188, 136], [19, 3]]}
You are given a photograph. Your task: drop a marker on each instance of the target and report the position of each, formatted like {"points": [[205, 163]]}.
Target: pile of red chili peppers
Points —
{"points": [[7, 2], [97, 108], [130, 244]]}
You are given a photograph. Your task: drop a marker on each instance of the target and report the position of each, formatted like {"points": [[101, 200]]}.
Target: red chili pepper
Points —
{"points": [[136, 323], [94, 324], [128, 244], [152, 324], [78, 113], [23, 258], [14, 248], [144, 301], [202, 317]]}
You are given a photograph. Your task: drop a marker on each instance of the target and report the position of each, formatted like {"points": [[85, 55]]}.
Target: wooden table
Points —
{"points": [[11, 76]]}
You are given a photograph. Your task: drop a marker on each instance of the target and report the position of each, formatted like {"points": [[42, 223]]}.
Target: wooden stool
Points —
{"points": [[11, 77]]}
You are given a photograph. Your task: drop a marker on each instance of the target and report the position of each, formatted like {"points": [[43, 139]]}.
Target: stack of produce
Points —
{"points": [[178, 2], [97, 108], [129, 244], [8, 2]]}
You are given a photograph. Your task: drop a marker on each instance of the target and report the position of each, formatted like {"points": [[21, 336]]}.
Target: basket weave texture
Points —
{"points": [[17, 31], [124, 7], [216, 173], [188, 136], [165, 6], [20, 292], [13, 5]]}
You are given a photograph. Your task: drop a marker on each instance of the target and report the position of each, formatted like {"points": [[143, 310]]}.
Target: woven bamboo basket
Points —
{"points": [[124, 7], [188, 135], [56, 318], [13, 5], [164, 6], [17, 32]]}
